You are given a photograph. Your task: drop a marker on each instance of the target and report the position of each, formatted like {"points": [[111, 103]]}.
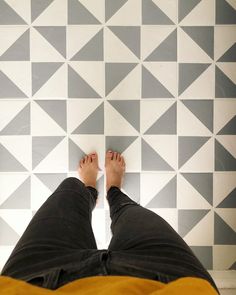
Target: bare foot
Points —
{"points": [[115, 169], [88, 169]]}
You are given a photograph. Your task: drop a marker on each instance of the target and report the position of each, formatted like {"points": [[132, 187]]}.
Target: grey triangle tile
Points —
{"points": [[37, 7], [224, 87], [188, 146], [223, 233], [56, 109], [203, 36], [8, 16], [8, 235], [130, 36], [112, 6], [75, 154], [78, 14], [166, 51], [166, 124], [56, 36], [225, 13], [93, 50], [153, 15], [229, 55], [202, 109], [205, 255], [51, 180], [78, 87], [130, 110], [42, 72], [131, 185], [115, 73], [188, 73], [151, 87], [151, 160], [20, 124], [166, 198], [94, 124], [119, 143], [8, 89], [20, 198], [185, 6], [187, 219], [224, 161], [19, 50], [229, 128], [233, 266], [203, 183], [42, 146], [229, 201], [8, 162]]}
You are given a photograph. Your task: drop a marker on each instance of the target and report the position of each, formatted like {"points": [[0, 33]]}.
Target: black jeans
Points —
{"points": [[59, 246]]}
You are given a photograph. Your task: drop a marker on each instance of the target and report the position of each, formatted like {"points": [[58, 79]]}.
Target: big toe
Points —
{"points": [[108, 155]]}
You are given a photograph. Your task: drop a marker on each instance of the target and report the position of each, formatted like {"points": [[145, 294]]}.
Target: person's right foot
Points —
{"points": [[115, 169]]}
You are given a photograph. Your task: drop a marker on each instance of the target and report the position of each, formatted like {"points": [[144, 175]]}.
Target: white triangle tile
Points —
{"points": [[170, 215], [203, 86], [96, 8], [92, 72], [124, 17], [5, 252], [152, 37], [232, 3], [56, 86], [224, 39], [8, 36], [228, 215], [98, 225], [90, 143], [202, 160], [22, 8], [123, 89], [165, 146], [115, 50], [203, 14], [189, 51], [166, 73], [188, 197], [188, 124], [56, 160], [221, 191], [78, 36], [8, 111], [224, 111], [54, 15], [203, 232], [41, 50], [9, 183], [223, 256], [228, 69], [148, 190], [132, 156], [20, 147], [42, 124], [169, 7], [78, 111], [39, 193], [116, 124], [20, 74], [151, 111], [229, 142], [17, 219]]}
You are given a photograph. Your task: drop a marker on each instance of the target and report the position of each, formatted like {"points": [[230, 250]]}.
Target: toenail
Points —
{"points": [[109, 151]]}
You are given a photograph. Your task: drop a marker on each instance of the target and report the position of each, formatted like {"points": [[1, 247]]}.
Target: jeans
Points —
{"points": [[58, 246]]}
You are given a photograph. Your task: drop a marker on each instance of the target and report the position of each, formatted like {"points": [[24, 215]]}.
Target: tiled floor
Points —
{"points": [[154, 80]]}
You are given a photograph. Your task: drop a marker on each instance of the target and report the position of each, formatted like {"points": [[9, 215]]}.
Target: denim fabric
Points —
{"points": [[59, 246]]}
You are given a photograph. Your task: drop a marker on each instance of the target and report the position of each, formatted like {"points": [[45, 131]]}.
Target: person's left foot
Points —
{"points": [[88, 169]]}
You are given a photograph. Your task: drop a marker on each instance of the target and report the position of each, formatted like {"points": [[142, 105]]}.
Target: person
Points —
{"points": [[58, 250]]}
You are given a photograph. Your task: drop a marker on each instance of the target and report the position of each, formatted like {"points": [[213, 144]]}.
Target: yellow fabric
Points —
{"points": [[112, 285]]}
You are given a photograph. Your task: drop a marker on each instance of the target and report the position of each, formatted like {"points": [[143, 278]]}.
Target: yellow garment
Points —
{"points": [[112, 285]]}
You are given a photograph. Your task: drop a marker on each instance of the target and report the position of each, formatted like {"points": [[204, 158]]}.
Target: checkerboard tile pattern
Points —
{"points": [[153, 80]]}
